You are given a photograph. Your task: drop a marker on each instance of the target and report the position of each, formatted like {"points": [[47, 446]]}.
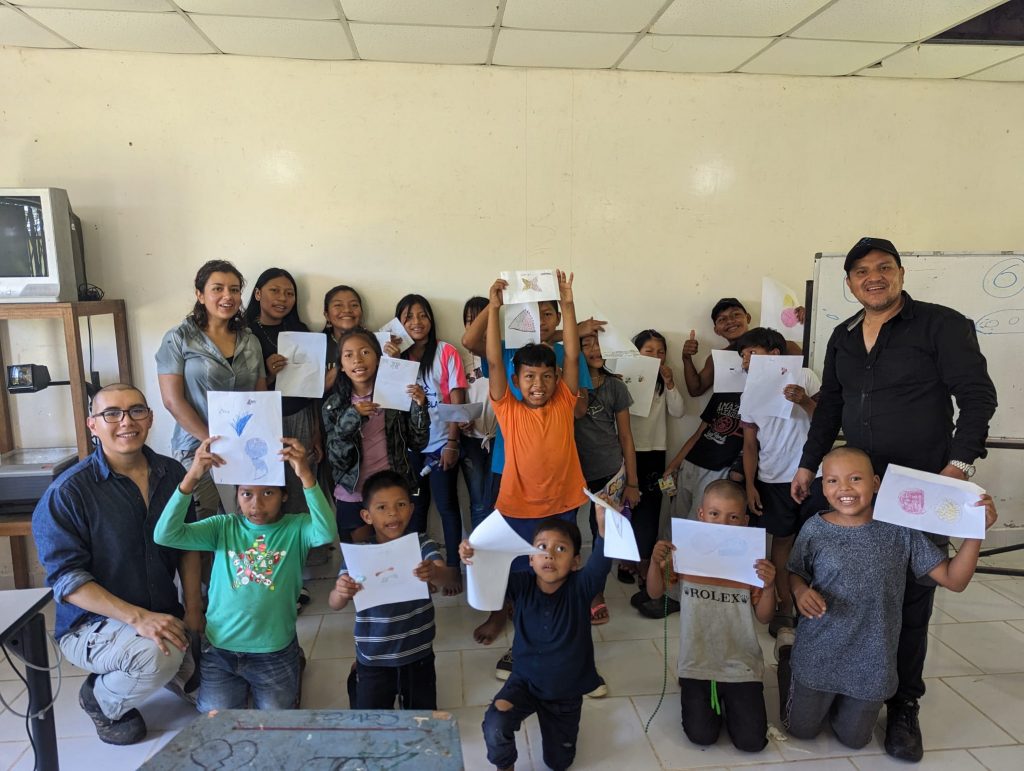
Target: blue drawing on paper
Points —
{"points": [[240, 422], [257, 449], [722, 543]]}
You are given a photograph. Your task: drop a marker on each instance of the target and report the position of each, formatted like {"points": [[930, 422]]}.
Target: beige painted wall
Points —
{"points": [[662, 192]]}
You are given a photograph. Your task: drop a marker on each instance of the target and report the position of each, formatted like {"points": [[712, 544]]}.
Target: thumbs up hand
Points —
{"points": [[690, 346]]}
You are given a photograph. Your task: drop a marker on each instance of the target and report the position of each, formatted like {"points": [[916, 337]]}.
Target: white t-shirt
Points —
{"points": [[650, 433], [479, 392], [782, 441]]}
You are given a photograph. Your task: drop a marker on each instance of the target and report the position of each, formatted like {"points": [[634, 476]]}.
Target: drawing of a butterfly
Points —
{"points": [[531, 283]]}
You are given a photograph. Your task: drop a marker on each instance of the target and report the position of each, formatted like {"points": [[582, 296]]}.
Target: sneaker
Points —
{"points": [[784, 643], [657, 608], [504, 666], [130, 728], [779, 621], [304, 599], [601, 690], [903, 731]]}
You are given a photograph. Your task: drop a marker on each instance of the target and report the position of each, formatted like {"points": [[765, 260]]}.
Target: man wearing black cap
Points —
{"points": [[889, 373]]}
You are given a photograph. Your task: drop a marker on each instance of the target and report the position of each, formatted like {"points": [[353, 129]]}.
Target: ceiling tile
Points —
{"points": [[675, 53], [430, 45], [941, 61], [734, 17], [113, 31], [1012, 70], [818, 57], [285, 38], [102, 5], [16, 29], [891, 21], [273, 9], [581, 15], [448, 13], [530, 48]]}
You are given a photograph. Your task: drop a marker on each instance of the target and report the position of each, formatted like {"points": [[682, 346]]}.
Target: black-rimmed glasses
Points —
{"points": [[116, 414]]}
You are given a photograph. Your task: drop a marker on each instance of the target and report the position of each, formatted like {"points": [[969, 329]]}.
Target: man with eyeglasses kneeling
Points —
{"points": [[118, 610]]}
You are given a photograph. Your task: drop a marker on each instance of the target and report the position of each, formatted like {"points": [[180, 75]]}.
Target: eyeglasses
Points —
{"points": [[116, 414]]}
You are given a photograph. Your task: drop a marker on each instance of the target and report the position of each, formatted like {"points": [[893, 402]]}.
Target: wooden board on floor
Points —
{"points": [[398, 740]]}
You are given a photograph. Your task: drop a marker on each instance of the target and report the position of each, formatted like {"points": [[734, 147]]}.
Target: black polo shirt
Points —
{"points": [[894, 402]]}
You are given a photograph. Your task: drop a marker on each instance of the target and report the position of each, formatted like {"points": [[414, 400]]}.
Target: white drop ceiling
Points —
{"points": [[827, 38]]}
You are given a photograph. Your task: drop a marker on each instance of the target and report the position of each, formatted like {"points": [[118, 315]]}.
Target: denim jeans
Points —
{"points": [[227, 678], [130, 668], [559, 725], [441, 485], [476, 470]]}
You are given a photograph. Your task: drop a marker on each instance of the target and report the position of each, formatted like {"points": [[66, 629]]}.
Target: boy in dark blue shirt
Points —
{"points": [[553, 649]]}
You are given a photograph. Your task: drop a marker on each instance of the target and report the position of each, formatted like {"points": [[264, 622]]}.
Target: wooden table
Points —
{"points": [[397, 740]]}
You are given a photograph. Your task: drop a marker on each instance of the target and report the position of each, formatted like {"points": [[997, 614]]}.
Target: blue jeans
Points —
{"points": [[476, 470], [442, 487], [227, 678], [559, 725]]}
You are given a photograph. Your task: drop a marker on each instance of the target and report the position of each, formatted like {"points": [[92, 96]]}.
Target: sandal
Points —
{"points": [[599, 614], [625, 575]]}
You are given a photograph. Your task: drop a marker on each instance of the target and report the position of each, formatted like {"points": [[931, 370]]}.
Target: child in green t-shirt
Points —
{"points": [[257, 573]]}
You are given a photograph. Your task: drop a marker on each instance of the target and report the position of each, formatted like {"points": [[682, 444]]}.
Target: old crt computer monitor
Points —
{"points": [[40, 246]]}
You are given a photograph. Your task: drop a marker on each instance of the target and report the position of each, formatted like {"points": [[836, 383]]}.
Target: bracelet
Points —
{"points": [[635, 487], [456, 449]]}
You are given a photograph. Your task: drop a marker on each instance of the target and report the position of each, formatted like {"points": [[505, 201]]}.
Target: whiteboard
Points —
{"points": [[987, 287]]}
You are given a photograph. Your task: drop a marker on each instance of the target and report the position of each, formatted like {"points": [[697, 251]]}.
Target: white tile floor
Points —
{"points": [[972, 715]]}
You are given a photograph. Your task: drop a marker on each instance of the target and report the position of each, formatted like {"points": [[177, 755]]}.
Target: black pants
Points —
{"points": [[595, 486], [559, 725], [414, 685], [742, 705], [650, 465], [913, 645]]}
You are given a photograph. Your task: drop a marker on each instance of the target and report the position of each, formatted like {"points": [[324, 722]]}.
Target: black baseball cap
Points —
{"points": [[868, 244], [724, 304]]}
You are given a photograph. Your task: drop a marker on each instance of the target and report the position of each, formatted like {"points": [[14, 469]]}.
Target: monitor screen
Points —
{"points": [[22, 243]]}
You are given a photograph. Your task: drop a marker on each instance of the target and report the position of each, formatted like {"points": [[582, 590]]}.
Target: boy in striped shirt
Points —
{"points": [[394, 643]]}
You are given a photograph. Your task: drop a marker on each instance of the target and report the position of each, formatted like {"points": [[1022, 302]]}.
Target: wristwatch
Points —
{"points": [[967, 468]]}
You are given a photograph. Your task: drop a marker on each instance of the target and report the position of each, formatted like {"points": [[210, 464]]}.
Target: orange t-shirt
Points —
{"points": [[542, 475]]}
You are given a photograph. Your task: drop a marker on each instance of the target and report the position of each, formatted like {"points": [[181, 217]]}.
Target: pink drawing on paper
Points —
{"points": [[523, 322], [912, 501]]}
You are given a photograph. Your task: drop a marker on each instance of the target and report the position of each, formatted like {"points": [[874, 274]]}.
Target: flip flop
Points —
{"points": [[595, 614]]}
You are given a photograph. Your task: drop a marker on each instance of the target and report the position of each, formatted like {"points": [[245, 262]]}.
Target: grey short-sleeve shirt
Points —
{"points": [[597, 438], [187, 351], [861, 573]]}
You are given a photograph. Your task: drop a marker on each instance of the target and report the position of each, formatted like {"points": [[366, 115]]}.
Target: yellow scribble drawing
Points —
{"points": [[948, 511]]}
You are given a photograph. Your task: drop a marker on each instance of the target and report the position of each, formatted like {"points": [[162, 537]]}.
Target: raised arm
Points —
{"points": [[474, 339], [697, 383], [497, 381], [956, 573], [571, 335]]}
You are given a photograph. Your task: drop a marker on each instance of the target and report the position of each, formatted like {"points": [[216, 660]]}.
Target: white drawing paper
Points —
{"points": [[459, 413], [778, 309], [930, 502], [729, 375], [394, 328], [767, 377], [522, 325], [619, 540], [529, 286], [615, 345], [249, 426], [386, 571], [640, 376], [391, 387], [495, 544], [717, 551], [307, 364]]}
